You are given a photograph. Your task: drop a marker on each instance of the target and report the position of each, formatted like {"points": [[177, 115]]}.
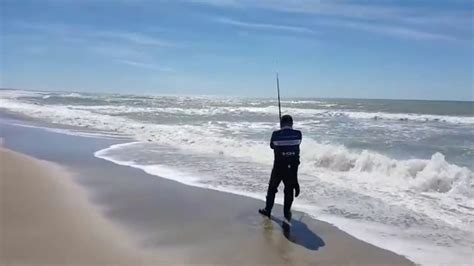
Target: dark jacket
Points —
{"points": [[286, 145]]}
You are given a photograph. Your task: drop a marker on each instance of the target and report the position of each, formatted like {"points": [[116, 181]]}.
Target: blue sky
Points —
{"points": [[409, 49]]}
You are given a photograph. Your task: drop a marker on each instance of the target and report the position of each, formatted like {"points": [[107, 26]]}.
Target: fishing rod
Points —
{"points": [[278, 91]]}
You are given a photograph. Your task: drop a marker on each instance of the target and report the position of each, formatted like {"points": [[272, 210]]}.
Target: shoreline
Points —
{"points": [[211, 230]]}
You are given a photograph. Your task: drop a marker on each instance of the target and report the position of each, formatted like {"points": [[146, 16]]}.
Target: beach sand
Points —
{"points": [[81, 210], [47, 220]]}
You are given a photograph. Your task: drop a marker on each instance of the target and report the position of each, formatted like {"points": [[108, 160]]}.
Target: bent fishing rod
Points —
{"points": [[278, 91]]}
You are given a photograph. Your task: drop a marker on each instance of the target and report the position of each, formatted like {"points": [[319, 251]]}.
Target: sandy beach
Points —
{"points": [[47, 220], [75, 209]]}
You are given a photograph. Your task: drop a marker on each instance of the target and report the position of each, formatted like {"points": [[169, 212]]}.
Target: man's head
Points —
{"points": [[286, 121]]}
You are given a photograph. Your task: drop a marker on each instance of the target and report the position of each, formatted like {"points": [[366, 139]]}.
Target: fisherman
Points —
{"points": [[286, 146]]}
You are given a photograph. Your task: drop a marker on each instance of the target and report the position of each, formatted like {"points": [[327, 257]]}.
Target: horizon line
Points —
{"points": [[236, 96]]}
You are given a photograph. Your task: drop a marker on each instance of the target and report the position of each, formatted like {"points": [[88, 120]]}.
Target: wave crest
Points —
{"points": [[433, 175]]}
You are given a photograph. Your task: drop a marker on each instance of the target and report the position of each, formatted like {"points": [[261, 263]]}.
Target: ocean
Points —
{"points": [[396, 173]]}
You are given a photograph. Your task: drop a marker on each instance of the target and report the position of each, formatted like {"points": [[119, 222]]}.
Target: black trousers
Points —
{"points": [[288, 173]]}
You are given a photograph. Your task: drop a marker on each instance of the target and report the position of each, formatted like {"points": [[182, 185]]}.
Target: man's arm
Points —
{"points": [[271, 140], [297, 185]]}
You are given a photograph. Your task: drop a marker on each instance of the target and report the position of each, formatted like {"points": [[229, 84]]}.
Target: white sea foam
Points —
{"points": [[337, 159], [75, 132], [271, 110], [13, 94], [158, 170], [73, 94], [418, 250], [428, 189], [402, 235], [435, 175]]}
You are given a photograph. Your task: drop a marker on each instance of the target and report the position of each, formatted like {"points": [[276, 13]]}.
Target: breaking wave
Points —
{"points": [[433, 175]]}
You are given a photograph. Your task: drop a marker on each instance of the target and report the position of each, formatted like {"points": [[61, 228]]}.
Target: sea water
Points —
{"points": [[396, 173]]}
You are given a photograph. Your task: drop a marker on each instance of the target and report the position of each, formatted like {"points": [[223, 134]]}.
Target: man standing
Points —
{"points": [[286, 146]]}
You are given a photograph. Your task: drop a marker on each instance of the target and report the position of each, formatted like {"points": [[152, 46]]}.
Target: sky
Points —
{"points": [[405, 49]]}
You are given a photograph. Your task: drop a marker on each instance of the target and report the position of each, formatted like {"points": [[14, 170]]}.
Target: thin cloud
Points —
{"points": [[113, 50], [220, 3], [145, 65], [265, 26], [137, 47], [394, 31], [346, 9], [133, 37], [418, 21], [327, 8], [83, 32]]}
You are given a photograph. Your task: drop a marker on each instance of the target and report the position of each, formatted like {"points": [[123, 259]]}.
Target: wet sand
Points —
{"points": [[47, 220], [93, 212]]}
